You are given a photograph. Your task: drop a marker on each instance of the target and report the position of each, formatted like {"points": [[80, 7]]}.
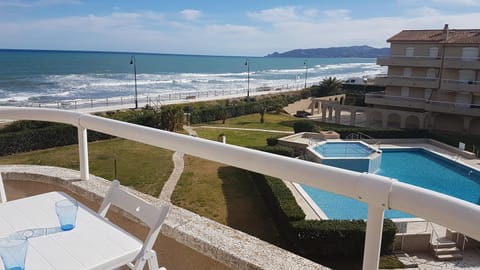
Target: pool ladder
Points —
{"points": [[363, 137]]}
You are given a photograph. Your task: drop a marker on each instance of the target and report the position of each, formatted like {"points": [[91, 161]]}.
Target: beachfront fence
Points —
{"points": [[156, 99]]}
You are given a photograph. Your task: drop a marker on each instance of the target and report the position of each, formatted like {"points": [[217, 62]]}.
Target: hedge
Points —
{"points": [[279, 198], [42, 138], [320, 238], [277, 149], [315, 239], [234, 109], [304, 126]]}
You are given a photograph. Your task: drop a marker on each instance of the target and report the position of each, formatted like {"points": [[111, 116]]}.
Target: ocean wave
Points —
{"points": [[100, 85]]}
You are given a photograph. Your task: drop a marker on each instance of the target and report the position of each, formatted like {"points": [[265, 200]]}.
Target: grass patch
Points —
{"points": [[273, 121], [144, 167], [238, 137], [224, 194], [390, 262]]}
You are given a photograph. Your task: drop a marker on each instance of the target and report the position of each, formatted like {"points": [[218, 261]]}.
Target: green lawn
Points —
{"points": [[144, 167], [238, 137], [273, 121]]}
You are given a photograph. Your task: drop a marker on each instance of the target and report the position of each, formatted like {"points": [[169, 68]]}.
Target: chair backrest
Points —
{"points": [[152, 216], [3, 195]]}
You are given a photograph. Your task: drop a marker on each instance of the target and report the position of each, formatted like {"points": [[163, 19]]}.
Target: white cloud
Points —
{"points": [[455, 3], [423, 11], [191, 14], [458, 2], [281, 29], [280, 14], [338, 14]]}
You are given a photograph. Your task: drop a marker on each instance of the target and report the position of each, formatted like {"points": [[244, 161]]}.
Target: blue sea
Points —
{"points": [[31, 76]]}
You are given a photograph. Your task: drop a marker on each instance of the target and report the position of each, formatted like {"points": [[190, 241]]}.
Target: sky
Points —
{"points": [[244, 28]]}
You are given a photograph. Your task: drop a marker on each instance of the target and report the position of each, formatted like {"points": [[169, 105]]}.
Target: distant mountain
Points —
{"points": [[352, 51]]}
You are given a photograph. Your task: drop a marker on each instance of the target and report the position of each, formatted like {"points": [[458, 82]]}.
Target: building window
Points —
{"points": [[470, 54], [405, 92], [433, 52], [467, 76], [407, 72], [409, 51], [431, 73]]}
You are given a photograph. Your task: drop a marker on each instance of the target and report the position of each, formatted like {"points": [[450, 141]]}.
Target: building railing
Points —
{"points": [[381, 94], [416, 78], [416, 57], [426, 57], [380, 193], [462, 82]]}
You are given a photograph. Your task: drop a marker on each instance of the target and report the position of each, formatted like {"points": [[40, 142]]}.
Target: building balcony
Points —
{"points": [[393, 80], [460, 63], [217, 246], [380, 98], [409, 61], [461, 86], [453, 108]]}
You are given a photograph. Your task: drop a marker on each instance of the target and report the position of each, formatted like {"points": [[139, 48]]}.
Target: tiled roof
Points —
{"points": [[463, 36]]}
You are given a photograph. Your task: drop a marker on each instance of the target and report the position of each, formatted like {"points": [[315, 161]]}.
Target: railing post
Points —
{"points": [[373, 238], [83, 153]]}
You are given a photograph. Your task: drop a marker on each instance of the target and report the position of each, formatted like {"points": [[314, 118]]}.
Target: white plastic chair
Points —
{"points": [[152, 216], [3, 196]]}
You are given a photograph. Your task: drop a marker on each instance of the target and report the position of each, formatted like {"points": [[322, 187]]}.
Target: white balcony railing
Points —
{"points": [[380, 193]]}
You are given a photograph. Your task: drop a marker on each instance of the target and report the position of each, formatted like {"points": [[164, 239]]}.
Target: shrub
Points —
{"points": [[272, 141], [304, 126], [279, 198], [42, 138], [319, 238], [171, 118], [278, 149]]}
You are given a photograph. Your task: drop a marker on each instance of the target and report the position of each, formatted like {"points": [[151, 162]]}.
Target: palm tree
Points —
{"points": [[331, 86]]}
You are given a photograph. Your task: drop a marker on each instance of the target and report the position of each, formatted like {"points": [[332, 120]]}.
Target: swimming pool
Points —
{"points": [[344, 149], [415, 166], [351, 155]]}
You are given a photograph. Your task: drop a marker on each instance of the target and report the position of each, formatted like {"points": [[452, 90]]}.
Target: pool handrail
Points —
{"points": [[378, 192]]}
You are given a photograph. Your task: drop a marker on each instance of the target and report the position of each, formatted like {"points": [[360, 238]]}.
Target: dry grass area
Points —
{"points": [[224, 194]]}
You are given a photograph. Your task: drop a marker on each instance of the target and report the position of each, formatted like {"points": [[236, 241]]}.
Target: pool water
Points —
{"points": [[414, 166], [344, 149]]}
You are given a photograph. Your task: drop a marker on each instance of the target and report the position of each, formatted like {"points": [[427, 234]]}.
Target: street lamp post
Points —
{"points": [[133, 62], [247, 63], [306, 68]]}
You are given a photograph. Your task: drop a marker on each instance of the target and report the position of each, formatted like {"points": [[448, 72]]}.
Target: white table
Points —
{"points": [[94, 243]]}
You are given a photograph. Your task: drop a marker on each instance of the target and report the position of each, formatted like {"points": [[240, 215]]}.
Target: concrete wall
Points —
{"points": [[418, 242]]}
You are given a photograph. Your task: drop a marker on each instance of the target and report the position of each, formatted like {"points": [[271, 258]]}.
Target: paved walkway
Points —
{"points": [[178, 166]]}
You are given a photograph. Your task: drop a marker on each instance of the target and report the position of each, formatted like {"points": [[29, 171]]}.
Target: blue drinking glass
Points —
{"points": [[67, 213], [13, 252]]}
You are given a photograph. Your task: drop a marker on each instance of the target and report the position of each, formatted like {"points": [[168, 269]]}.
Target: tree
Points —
{"points": [[331, 86], [171, 118]]}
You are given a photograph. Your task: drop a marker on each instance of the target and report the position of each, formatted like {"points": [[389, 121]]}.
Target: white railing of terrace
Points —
{"points": [[380, 193]]}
